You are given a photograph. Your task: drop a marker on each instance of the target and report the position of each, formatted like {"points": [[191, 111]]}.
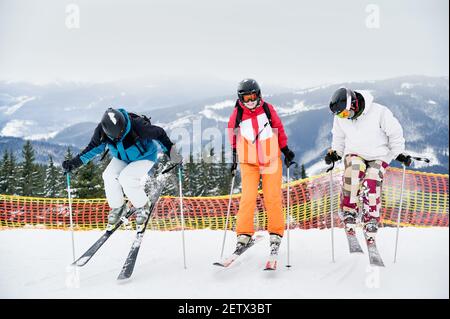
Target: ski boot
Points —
{"points": [[349, 219], [114, 216], [370, 228], [142, 215], [275, 242], [242, 241]]}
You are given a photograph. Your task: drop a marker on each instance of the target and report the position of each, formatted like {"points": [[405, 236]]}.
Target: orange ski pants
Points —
{"points": [[271, 185]]}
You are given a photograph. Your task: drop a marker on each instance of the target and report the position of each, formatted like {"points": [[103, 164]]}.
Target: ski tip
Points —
{"points": [[219, 264], [288, 266], [271, 265], [123, 277], [80, 262]]}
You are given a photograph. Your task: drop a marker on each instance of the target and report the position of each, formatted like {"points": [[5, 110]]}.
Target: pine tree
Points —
{"points": [[225, 177], [296, 173], [39, 180], [4, 173], [68, 155], [12, 175], [28, 171], [53, 178], [88, 183], [303, 172]]}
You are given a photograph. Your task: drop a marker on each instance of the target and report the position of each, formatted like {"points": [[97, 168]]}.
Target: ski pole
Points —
{"points": [[422, 159], [288, 218], [331, 211], [70, 214], [399, 212], [182, 214], [228, 215]]}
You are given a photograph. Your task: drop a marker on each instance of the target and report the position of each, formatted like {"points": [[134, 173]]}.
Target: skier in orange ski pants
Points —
{"points": [[257, 139]]}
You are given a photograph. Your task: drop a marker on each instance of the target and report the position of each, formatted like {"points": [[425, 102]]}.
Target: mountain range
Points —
{"points": [[60, 114]]}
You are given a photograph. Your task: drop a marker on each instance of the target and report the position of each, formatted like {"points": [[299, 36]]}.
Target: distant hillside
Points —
{"points": [[42, 150]]}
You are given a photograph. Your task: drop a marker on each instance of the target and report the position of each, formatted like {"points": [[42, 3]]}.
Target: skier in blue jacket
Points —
{"points": [[133, 143]]}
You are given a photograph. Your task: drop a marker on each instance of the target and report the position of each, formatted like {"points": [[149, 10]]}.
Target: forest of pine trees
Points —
{"points": [[201, 177]]}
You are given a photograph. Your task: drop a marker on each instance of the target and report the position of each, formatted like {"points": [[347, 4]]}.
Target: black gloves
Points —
{"points": [[331, 157], [288, 156], [405, 159], [234, 165], [69, 165]]}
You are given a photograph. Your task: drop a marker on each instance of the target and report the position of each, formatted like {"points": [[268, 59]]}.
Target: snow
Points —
{"points": [[21, 100], [209, 113], [297, 107], [17, 128], [407, 85], [43, 136], [34, 265]]}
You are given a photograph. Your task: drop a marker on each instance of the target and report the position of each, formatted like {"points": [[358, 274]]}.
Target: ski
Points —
{"points": [[374, 256], [353, 243], [275, 242], [83, 260], [130, 261], [271, 263], [229, 260]]}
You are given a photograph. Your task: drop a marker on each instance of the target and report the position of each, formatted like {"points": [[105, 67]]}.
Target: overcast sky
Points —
{"points": [[289, 43]]}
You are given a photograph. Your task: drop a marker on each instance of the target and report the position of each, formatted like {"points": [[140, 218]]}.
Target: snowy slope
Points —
{"points": [[33, 265]]}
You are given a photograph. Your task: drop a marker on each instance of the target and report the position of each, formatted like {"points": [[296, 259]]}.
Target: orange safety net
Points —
{"points": [[425, 203]]}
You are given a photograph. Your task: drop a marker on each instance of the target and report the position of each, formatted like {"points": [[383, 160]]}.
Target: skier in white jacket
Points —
{"points": [[368, 136]]}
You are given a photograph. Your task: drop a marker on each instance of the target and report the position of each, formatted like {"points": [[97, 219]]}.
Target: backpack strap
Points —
{"points": [[265, 106], [240, 111], [136, 141]]}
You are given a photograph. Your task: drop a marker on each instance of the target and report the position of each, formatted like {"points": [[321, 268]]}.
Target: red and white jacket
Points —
{"points": [[252, 148]]}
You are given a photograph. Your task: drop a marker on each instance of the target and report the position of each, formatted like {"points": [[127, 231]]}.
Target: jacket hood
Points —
{"points": [[368, 100], [128, 128]]}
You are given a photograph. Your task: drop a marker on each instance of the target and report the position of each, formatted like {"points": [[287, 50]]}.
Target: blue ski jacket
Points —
{"points": [[140, 141]]}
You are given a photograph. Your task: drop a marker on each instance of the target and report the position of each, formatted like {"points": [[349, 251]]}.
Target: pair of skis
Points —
{"points": [[354, 247], [271, 263], [130, 261]]}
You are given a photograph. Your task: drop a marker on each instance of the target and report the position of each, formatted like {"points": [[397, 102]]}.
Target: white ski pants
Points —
{"points": [[120, 177]]}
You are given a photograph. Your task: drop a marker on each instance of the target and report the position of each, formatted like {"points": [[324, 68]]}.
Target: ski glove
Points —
{"points": [[288, 156], [174, 156], [234, 165], [69, 165], [405, 159], [331, 157]]}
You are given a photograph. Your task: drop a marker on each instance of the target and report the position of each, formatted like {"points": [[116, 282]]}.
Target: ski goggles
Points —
{"points": [[250, 97], [346, 114]]}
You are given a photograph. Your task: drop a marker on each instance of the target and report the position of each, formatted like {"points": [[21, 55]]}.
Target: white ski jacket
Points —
{"points": [[375, 135]]}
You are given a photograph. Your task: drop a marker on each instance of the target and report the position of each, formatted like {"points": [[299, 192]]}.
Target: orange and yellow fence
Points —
{"points": [[425, 203]]}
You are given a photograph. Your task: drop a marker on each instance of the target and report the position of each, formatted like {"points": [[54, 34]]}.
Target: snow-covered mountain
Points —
{"points": [[69, 117]]}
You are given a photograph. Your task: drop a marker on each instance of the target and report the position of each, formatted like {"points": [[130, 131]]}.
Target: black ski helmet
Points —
{"points": [[344, 99], [248, 86], [114, 124]]}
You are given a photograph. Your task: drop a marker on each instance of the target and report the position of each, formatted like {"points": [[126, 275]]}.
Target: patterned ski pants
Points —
{"points": [[363, 179]]}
